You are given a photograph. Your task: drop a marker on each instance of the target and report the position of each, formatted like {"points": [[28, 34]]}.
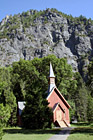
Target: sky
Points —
{"points": [[73, 7]]}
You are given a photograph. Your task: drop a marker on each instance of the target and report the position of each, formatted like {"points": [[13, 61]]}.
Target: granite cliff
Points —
{"points": [[39, 33]]}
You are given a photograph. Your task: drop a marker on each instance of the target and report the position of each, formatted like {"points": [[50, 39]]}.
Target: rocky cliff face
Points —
{"points": [[37, 34]]}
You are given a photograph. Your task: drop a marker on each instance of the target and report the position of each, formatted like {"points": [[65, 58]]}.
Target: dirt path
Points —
{"points": [[64, 133]]}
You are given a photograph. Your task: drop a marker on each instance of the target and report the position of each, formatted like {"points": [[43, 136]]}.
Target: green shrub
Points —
{"points": [[4, 116], [1, 133]]}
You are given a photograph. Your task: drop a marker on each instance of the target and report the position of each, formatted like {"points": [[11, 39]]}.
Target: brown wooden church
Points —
{"points": [[58, 103]]}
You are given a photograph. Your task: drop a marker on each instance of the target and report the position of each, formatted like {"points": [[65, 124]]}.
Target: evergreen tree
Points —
{"points": [[90, 77], [36, 114], [81, 99], [7, 96], [4, 116], [90, 109], [90, 95]]}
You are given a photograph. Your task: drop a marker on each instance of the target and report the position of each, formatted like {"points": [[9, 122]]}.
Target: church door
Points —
{"points": [[59, 115]]}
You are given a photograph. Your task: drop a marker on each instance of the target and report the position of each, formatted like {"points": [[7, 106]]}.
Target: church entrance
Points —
{"points": [[58, 115]]}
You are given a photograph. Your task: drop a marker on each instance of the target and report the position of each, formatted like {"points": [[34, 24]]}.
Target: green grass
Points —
{"points": [[83, 131], [23, 134]]}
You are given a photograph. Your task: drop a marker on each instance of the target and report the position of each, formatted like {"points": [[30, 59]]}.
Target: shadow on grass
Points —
{"points": [[83, 130], [82, 124], [28, 131]]}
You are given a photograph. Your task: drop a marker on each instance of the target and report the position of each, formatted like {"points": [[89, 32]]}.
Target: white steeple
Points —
{"points": [[51, 73], [51, 79]]}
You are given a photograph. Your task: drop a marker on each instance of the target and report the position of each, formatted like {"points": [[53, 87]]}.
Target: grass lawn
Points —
{"points": [[83, 131], [23, 134]]}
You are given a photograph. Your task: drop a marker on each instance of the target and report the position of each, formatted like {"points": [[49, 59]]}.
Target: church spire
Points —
{"points": [[51, 73], [51, 79]]}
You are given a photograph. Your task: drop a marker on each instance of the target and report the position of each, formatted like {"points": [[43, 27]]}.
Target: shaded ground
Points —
{"points": [[87, 130], [29, 131], [81, 124], [24, 134]]}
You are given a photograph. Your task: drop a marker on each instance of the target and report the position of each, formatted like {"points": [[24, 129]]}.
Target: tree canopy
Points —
{"points": [[28, 81]]}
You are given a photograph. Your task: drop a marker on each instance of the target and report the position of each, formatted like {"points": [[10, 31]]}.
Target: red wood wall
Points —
{"points": [[53, 99]]}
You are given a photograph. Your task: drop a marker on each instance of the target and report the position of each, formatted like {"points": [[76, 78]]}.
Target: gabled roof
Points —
{"points": [[60, 95], [56, 105]]}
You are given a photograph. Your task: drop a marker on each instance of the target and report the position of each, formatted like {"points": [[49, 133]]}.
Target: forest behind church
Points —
{"points": [[28, 81]]}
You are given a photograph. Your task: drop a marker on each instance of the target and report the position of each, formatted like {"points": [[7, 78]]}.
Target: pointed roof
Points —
{"points": [[51, 73], [56, 105], [60, 95]]}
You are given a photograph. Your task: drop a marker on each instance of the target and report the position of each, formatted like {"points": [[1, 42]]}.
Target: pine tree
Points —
{"points": [[90, 77], [4, 117], [90, 109], [81, 99], [36, 114], [7, 96]]}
